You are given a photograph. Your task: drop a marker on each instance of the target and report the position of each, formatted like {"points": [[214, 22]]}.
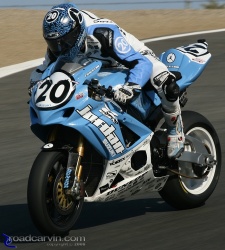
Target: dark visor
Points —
{"points": [[63, 44]]}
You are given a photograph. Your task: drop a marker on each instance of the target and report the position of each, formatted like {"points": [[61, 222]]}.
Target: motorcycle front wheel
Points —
{"points": [[52, 212], [185, 193]]}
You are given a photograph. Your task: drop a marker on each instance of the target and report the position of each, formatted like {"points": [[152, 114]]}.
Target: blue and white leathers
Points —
{"points": [[111, 44], [107, 42]]}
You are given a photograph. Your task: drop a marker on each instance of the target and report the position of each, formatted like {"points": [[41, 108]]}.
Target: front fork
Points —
{"points": [[73, 184]]}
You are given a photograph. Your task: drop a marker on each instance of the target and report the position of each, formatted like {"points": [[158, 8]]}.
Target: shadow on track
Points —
{"points": [[99, 213], [15, 219]]}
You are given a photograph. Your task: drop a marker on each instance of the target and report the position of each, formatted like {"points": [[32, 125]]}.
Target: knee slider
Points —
{"points": [[171, 89]]}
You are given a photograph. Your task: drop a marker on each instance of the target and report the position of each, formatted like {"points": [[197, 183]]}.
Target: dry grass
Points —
{"points": [[21, 30]]}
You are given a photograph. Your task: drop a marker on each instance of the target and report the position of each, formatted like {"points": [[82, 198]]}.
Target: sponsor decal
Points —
{"points": [[108, 113], [48, 145], [110, 175], [128, 185], [111, 197], [91, 71], [79, 96], [104, 188], [101, 20], [75, 15], [53, 35], [110, 38], [171, 58], [195, 49], [198, 60], [109, 147], [161, 78], [172, 66], [51, 16], [67, 177], [133, 192], [107, 130], [149, 52], [122, 45], [122, 31], [117, 161]]}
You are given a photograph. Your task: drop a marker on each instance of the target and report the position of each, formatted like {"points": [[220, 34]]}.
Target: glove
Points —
{"points": [[31, 87], [126, 92]]}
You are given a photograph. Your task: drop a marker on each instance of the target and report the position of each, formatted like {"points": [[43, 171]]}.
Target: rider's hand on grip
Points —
{"points": [[126, 92]]}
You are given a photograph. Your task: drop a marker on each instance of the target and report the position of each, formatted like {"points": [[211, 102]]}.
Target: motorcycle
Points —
{"points": [[96, 150]]}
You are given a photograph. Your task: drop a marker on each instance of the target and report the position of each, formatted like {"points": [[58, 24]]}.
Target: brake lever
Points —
{"points": [[106, 99]]}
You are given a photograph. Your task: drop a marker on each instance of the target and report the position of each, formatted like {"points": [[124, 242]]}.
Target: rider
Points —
{"points": [[70, 32]]}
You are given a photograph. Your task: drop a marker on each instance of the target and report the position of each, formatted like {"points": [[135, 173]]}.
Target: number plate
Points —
{"points": [[54, 91]]}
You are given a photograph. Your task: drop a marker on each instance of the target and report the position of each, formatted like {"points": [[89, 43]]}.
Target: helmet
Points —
{"points": [[64, 30]]}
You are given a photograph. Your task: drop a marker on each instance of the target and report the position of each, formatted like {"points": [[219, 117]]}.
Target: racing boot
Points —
{"points": [[175, 134]]}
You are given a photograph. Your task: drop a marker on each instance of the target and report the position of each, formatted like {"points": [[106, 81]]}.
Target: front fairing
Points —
{"points": [[98, 121]]}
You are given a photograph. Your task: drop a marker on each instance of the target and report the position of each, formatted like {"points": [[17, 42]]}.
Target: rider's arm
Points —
{"points": [[123, 47]]}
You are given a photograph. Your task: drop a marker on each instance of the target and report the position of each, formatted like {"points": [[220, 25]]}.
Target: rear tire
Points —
{"points": [[52, 212], [185, 193]]}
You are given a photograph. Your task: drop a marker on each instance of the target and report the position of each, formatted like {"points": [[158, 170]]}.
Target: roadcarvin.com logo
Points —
{"points": [[8, 241], [50, 240]]}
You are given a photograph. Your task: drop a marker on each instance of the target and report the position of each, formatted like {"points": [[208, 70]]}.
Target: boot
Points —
{"points": [[175, 134]]}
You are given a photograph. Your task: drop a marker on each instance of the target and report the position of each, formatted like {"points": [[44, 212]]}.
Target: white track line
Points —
{"points": [[182, 35], [12, 69]]}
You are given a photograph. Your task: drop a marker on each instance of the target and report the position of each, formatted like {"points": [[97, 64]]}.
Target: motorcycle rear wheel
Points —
{"points": [[185, 193], [52, 212]]}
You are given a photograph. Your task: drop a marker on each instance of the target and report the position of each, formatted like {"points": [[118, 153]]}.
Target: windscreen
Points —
{"points": [[70, 66]]}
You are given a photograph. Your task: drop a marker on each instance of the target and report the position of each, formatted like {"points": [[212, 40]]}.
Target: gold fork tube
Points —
{"points": [[79, 172], [80, 148], [53, 134], [80, 151]]}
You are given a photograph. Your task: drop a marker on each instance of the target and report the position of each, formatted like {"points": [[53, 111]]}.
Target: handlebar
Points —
{"points": [[98, 92], [94, 88]]}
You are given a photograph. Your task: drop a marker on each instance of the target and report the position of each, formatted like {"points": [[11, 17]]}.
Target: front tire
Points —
{"points": [[185, 193], [52, 212]]}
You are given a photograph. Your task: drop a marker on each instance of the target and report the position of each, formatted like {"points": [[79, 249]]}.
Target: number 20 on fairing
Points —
{"points": [[51, 94]]}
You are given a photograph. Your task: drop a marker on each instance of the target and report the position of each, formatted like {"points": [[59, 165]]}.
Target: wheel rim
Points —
{"points": [[198, 186], [63, 203], [62, 210]]}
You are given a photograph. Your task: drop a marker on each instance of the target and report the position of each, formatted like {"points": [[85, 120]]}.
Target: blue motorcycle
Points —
{"points": [[96, 150]]}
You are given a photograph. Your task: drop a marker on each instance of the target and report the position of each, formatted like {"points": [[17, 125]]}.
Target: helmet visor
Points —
{"points": [[63, 44]]}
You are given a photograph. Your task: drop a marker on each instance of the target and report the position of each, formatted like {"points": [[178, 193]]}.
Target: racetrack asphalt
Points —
{"points": [[141, 222]]}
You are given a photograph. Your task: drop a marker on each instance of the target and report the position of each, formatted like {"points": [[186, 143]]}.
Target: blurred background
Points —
{"points": [[118, 4], [21, 21]]}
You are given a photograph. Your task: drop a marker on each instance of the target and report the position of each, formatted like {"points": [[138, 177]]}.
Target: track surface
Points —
{"points": [[143, 222]]}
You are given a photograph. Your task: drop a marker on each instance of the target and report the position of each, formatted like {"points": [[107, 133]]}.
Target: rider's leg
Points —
{"points": [[168, 90], [169, 93], [175, 133]]}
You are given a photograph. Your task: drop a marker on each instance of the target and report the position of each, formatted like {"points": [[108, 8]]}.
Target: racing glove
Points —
{"points": [[126, 92]]}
